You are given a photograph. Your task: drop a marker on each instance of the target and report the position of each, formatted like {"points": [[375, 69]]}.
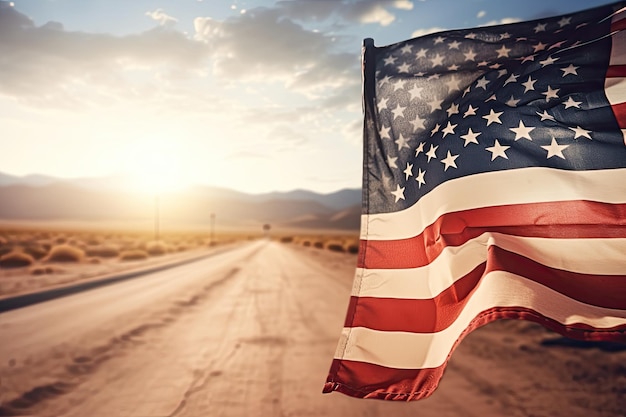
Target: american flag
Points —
{"points": [[494, 188]]}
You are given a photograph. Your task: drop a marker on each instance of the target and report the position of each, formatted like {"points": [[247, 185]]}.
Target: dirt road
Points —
{"points": [[251, 332]]}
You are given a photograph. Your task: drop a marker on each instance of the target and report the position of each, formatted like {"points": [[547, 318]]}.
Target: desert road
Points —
{"points": [[251, 332]]}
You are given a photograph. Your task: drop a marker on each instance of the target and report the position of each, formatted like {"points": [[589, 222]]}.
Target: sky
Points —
{"points": [[255, 96]]}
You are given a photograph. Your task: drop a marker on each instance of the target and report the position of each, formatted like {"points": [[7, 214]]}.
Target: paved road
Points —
{"points": [[251, 332]]}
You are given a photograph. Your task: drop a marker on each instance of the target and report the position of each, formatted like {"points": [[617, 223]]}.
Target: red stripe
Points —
{"points": [[619, 110], [438, 313], [366, 380], [616, 71], [618, 25], [569, 219]]}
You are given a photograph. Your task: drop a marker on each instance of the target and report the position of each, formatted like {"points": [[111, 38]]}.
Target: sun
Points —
{"points": [[154, 166]]}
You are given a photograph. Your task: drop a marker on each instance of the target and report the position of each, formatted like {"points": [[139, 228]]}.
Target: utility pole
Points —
{"points": [[156, 217], [212, 242]]}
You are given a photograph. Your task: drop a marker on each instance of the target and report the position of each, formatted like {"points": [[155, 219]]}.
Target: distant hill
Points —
{"points": [[37, 197]]}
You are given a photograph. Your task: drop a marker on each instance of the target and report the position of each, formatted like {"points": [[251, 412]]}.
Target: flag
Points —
{"points": [[494, 187]]}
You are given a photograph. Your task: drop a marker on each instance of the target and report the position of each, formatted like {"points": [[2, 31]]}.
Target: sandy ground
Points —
{"points": [[251, 332]]}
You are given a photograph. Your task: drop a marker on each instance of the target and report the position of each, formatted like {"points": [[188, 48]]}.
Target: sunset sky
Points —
{"points": [[253, 95]]}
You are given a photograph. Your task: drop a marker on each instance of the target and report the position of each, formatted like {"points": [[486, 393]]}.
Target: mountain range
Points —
{"points": [[44, 198]]}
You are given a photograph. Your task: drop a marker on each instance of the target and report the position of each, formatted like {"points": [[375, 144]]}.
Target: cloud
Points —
{"points": [[360, 11], [503, 21], [422, 32], [48, 62], [481, 14], [160, 16], [264, 45]]}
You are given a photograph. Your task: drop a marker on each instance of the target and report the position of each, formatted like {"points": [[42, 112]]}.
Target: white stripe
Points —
{"points": [[615, 90], [585, 256], [517, 186], [618, 48], [429, 350]]}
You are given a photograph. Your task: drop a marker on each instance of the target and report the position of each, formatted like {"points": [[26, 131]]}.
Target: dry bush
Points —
{"points": [[319, 244], [306, 243], [156, 248], [65, 253], [352, 248], [6, 248], [103, 251], [335, 246], [286, 239], [133, 255], [16, 259], [41, 270], [60, 240], [36, 251]]}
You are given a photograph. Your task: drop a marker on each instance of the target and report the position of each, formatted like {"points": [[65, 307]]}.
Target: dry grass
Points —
{"points": [[16, 259], [337, 243], [133, 255], [65, 253]]}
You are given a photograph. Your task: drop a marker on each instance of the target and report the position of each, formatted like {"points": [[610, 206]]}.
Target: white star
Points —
{"points": [[453, 84], [571, 69], [437, 60], [541, 27], [454, 45], [418, 123], [550, 93], [384, 132], [564, 21], [498, 150], [530, 84], [415, 92], [448, 161], [432, 152], [522, 132], [421, 53], [548, 61], [408, 172], [571, 103], [556, 45], [404, 67], [435, 104], [528, 58], [482, 83], [390, 60], [470, 55], [470, 137], [398, 194], [493, 117], [382, 104], [502, 73], [406, 49], [449, 129], [439, 39], [491, 98], [392, 162], [503, 52], [397, 112], [454, 109], [435, 129], [511, 79], [402, 142], [579, 131], [540, 46], [433, 77], [512, 102], [470, 36], [554, 149], [420, 178], [471, 111], [453, 67], [419, 149], [545, 116]]}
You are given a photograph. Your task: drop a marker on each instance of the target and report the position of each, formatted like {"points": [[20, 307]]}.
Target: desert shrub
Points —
{"points": [[156, 248], [3, 240], [318, 244], [306, 243], [65, 253], [286, 239], [94, 260], [335, 246], [133, 255], [60, 240], [36, 251], [103, 251], [352, 248], [41, 270], [181, 248], [6, 248], [16, 259]]}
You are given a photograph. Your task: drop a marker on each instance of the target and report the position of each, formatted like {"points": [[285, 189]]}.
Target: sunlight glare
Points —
{"points": [[154, 167]]}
